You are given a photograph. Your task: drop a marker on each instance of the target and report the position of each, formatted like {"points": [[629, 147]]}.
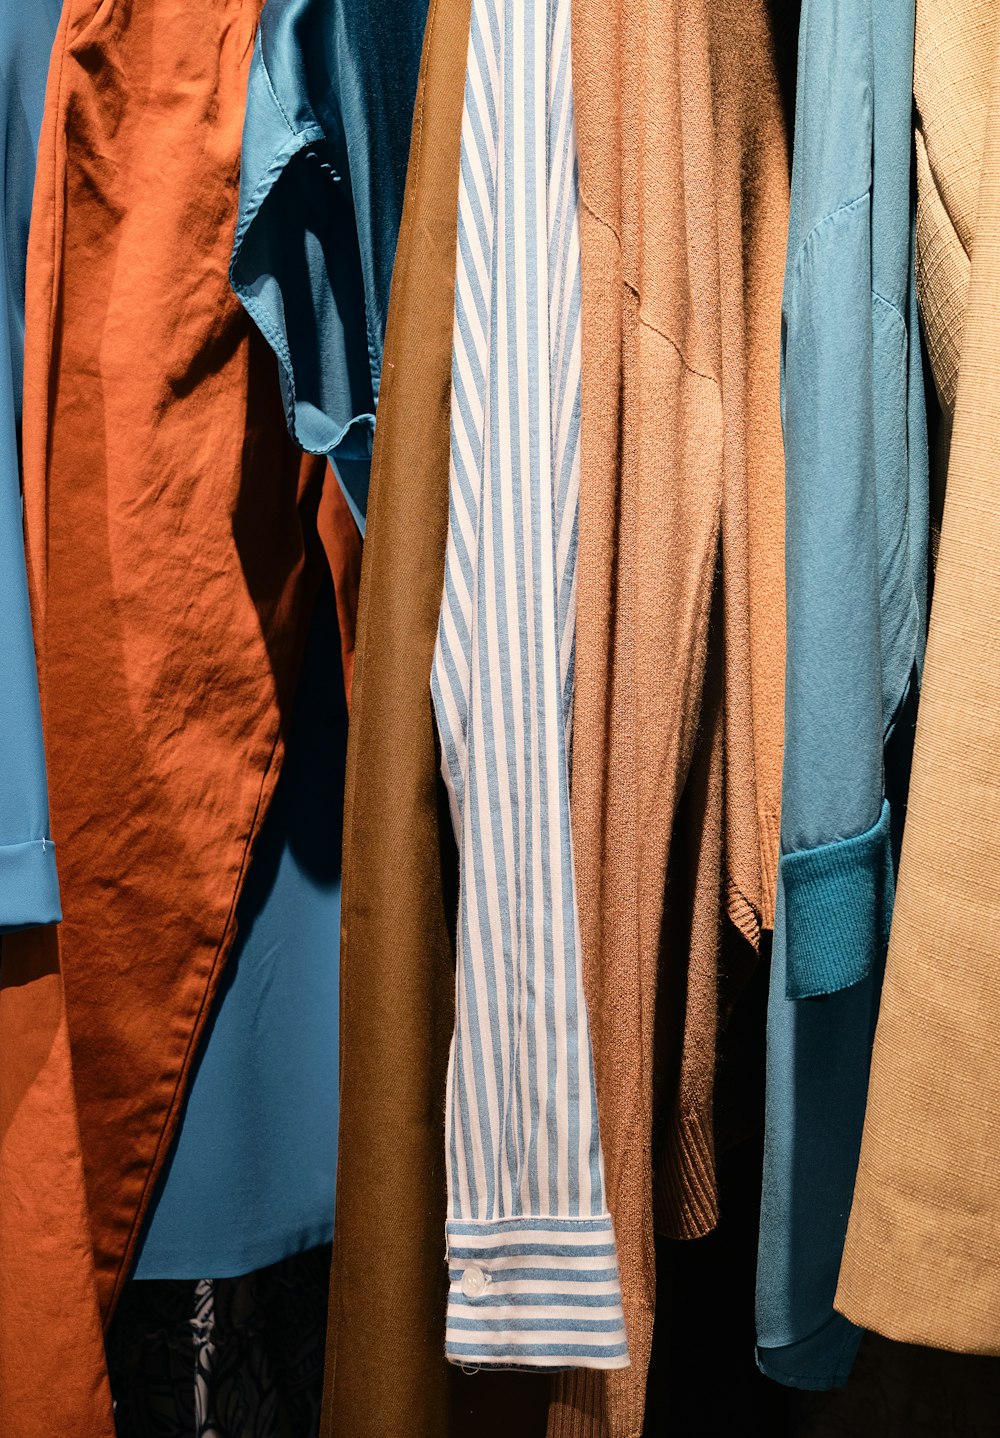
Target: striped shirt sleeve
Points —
{"points": [[531, 1250]]}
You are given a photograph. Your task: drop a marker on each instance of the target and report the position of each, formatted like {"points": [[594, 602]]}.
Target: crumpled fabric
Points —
{"points": [[169, 578]]}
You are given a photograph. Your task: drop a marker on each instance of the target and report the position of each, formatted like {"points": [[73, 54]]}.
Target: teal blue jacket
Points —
{"points": [[29, 891], [856, 553]]}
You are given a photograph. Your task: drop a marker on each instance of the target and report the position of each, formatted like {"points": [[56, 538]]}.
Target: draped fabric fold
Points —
{"points": [[52, 1377], [684, 192], [397, 966], [168, 572]]}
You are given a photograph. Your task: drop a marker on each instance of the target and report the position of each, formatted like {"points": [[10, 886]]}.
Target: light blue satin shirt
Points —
{"points": [[29, 891]]}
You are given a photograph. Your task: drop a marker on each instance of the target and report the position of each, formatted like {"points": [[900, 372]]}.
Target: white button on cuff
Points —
{"points": [[473, 1282]]}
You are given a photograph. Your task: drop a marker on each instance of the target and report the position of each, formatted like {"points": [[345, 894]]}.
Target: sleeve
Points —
{"points": [[296, 265], [856, 485], [531, 1251], [835, 878], [836, 863], [29, 888], [856, 493]]}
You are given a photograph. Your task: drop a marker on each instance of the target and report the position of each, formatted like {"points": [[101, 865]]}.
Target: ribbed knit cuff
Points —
{"points": [[29, 887], [838, 908], [685, 1192], [535, 1293]]}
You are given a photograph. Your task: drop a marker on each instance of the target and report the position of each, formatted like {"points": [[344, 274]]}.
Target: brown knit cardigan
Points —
{"points": [[680, 643]]}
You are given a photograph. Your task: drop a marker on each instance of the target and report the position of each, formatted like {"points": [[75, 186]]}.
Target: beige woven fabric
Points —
{"points": [[952, 67], [922, 1259]]}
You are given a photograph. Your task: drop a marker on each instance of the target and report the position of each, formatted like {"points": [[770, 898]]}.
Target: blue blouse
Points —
{"points": [[29, 891]]}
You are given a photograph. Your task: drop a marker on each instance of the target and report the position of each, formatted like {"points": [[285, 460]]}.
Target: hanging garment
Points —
{"points": [[29, 889], [328, 115], [386, 1374], [531, 1250], [921, 1258], [162, 506], [341, 540], [222, 1358], [51, 1355], [856, 551], [251, 1178], [683, 178], [52, 1374]]}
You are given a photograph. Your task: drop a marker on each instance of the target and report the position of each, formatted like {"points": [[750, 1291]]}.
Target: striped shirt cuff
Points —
{"points": [[535, 1293]]}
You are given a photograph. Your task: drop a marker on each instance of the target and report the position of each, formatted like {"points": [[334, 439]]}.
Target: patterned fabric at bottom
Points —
{"points": [[222, 1358]]}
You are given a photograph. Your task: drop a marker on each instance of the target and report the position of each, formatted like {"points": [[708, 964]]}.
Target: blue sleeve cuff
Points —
{"points": [[535, 1293], [29, 887], [838, 907], [816, 1363]]}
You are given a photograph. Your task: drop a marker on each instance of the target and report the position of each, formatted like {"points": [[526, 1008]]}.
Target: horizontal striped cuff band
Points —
{"points": [[535, 1293]]}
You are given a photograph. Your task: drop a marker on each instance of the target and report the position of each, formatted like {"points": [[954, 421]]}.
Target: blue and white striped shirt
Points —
{"points": [[531, 1250]]}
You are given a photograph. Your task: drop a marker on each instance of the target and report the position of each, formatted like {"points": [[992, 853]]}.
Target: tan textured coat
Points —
{"points": [[922, 1259], [684, 190]]}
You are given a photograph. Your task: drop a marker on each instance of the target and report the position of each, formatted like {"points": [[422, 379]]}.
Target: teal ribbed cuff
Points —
{"points": [[29, 888], [838, 907]]}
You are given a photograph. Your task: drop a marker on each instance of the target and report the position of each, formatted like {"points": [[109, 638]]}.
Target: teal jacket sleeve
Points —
{"points": [[856, 540], [856, 487]]}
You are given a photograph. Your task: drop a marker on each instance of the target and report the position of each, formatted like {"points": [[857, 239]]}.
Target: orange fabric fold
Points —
{"points": [[52, 1378], [167, 565]]}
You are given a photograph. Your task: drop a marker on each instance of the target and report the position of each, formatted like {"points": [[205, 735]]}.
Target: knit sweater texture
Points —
{"points": [[677, 721]]}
